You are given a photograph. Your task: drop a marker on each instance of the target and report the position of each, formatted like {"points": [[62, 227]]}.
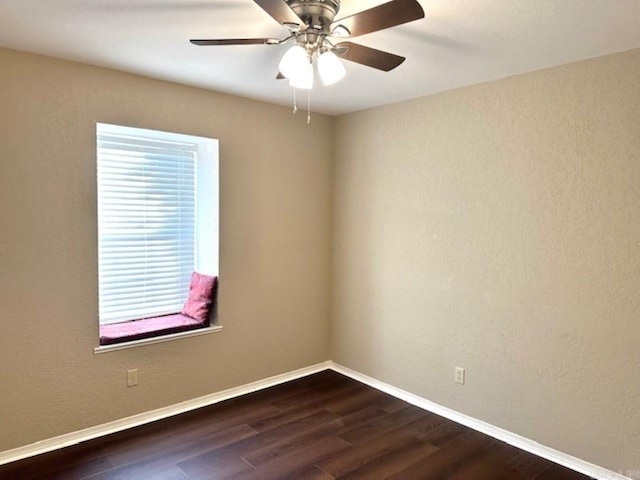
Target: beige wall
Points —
{"points": [[497, 228], [275, 240]]}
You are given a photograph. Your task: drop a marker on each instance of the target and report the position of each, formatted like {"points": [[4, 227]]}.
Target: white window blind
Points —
{"points": [[146, 224]]}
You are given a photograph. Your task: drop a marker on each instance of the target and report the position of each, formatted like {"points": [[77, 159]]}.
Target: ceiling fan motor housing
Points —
{"points": [[316, 14]]}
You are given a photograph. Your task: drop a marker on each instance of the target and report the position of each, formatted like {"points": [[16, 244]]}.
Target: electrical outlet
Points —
{"points": [[459, 375], [132, 377]]}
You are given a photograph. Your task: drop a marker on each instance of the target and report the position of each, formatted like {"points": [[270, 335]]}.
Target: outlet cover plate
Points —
{"points": [[132, 377]]}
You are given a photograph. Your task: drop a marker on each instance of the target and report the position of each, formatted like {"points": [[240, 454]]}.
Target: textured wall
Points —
{"points": [[497, 228], [275, 213]]}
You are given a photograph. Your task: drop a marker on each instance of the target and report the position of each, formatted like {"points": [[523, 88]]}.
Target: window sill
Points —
{"points": [[159, 339]]}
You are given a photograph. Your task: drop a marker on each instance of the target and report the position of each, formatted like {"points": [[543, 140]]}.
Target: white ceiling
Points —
{"points": [[459, 43]]}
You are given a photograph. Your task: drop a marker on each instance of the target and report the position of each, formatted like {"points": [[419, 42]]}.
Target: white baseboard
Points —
{"points": [[523, 443], [90, 433]]}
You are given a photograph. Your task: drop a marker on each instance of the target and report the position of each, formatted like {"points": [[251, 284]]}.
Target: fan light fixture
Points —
{"points": [[313, 26], [293, 62], [297, 66], [330, 68], [303, 78]]}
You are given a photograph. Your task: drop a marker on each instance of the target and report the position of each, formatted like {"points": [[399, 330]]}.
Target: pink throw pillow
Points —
{"points": [[202, 291]]}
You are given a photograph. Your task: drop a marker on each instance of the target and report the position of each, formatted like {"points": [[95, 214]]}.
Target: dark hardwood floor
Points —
{"points": [[321, 427]]}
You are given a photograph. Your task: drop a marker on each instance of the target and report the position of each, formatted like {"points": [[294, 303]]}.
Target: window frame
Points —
{"points": [[206, 231]]}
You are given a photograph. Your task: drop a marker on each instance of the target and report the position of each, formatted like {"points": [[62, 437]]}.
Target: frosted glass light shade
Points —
{"points": [[294, 62], [330, 68], [304, 78]]}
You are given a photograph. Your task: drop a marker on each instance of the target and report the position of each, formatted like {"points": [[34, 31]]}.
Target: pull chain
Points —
{"points": [[295, 104], [295, 101]]}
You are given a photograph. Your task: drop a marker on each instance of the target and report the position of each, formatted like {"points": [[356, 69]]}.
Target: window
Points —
{"points": [[157, 220]]}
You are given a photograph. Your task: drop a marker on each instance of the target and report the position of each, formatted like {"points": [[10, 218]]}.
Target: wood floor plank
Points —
{"points": [[366, 452], [158, 462], [168, 473], [527, 466], [286, 467], [363, 417], [95, 456], [91, 451], [302, 425], [386, 465], [445, 461], [270, 395], [223, 467], [322, 427], [356, 401], [319, 395], [491, 462], [436, 430], [334, 404], [557, 472], [196, 434], [79, 471], [308, 473], [291, 445], [386, 424], [284, 417], [312, 435], [55, 463], [215, 465], [225, 458]]}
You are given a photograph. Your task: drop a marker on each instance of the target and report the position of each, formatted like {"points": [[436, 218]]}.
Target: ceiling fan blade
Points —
{"points": [[368, 56], [280, 11], [235, 41], [383, 16]]}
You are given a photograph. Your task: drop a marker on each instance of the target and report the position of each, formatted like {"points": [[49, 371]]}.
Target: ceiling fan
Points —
{"points": [[313, 29]]}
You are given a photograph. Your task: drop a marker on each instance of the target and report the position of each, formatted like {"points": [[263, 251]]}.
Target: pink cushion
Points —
{"points": [[147, 328], [201, 294]]}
